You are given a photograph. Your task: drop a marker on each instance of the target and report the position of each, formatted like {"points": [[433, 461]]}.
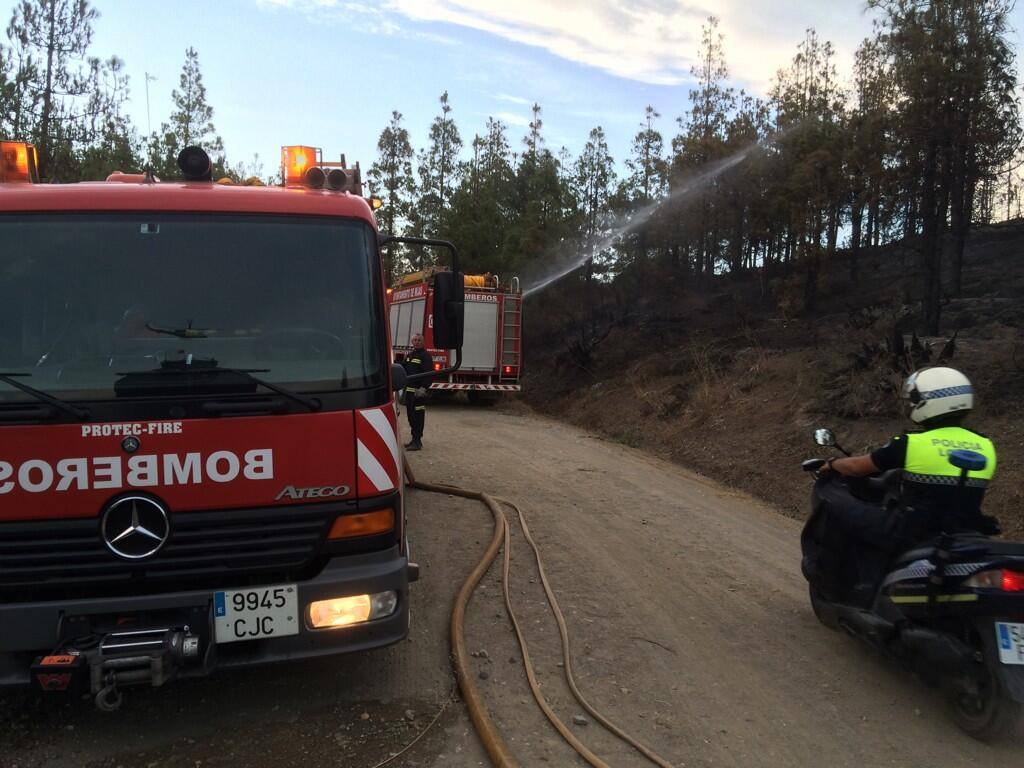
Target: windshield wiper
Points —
{"points": [[188, 332], [207, 367], [313, 403], [12, 379]]}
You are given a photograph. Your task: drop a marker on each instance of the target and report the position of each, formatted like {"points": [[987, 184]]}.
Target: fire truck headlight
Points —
{"points": [[355, 609], [363, 524]]}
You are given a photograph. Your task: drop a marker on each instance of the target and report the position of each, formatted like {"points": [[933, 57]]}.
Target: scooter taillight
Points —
{"points": [[1004, 580], [1013, 581]]}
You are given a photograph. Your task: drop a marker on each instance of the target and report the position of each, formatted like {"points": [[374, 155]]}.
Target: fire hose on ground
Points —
{"points": [[490, 736]]}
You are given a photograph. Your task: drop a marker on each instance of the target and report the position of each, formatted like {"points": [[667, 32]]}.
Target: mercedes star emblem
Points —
{"points": [[130, 444], [135, 527]]}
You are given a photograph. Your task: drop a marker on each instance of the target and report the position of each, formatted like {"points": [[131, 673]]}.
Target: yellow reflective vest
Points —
{"points": [[928, 452]]}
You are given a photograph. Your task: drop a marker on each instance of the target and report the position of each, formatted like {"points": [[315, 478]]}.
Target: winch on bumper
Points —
{"points": [[99, 644]]}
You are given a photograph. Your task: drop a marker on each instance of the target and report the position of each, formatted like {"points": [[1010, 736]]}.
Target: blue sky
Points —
{"points": [[329, 72]]}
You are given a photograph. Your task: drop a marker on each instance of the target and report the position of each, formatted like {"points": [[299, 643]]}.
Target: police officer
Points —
{"points": [[940, 398], [417, 361]]}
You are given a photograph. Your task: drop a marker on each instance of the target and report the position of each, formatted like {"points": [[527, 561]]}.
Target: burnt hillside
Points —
{"points": [[728, 378]]}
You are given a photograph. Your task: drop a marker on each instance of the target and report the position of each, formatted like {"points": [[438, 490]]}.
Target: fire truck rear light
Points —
{"points": [[355, 609], [437, 366], [295, 161], [363, 524], [508, 369], [17, 162]]}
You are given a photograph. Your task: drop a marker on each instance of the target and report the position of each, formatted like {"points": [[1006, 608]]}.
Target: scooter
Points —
{"points": [[951, 608]]}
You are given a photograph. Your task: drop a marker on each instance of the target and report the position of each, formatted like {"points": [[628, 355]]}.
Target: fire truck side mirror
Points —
{"points": [[399, 378], [449, 310]]}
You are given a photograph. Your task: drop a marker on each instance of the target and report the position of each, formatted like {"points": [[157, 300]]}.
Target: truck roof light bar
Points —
{"points": [[336, 178], [18, 162], [315, 177], [296, 159]]}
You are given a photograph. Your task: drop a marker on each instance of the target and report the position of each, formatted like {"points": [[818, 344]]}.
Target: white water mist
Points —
{"points": [[641, 217]]}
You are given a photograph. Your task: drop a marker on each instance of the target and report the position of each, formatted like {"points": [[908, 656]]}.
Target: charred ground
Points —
{"points": [[728, 378]]}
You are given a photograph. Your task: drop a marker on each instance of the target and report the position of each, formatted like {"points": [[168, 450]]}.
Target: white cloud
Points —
{"points": [[370, 19], [649, 41], [601, 35], [511, 99], [656, 41], [511, 118]]}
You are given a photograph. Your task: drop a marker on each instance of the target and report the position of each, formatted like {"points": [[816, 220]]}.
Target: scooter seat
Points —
{"points": [[964, 545]]}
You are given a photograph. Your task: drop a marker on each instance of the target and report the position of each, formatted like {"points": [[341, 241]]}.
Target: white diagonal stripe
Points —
{"points": [[379, 421], [372, 469]]}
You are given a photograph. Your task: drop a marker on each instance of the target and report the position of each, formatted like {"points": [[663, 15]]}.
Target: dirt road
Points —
{"points": [[690, 628]]}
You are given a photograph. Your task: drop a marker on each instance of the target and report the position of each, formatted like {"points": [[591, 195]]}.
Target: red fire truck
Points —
{"points": [[492, 352], [199, 462]]}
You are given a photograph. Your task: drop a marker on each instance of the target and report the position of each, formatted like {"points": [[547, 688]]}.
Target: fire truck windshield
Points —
{"points": [[85, 299]]}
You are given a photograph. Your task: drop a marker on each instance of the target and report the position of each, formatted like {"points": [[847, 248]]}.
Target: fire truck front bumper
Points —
{"points": [[97, 642]]}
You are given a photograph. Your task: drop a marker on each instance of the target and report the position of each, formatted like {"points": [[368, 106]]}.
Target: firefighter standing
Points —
{"points": [[417, 361]]}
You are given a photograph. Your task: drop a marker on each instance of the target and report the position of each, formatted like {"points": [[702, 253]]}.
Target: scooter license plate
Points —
{"points": [[257, 612], [1011, 642]]}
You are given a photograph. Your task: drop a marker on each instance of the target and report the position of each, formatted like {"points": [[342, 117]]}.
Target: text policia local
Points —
{"points": [[98, 472]]}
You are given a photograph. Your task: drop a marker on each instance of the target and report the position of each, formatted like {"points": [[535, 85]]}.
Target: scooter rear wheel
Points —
{"points": [[988, 714], [823, 609]]}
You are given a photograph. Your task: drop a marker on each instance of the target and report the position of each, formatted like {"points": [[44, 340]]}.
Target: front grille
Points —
{"points": [[205, 549]]}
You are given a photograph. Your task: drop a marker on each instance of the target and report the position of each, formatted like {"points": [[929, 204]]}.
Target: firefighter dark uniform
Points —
{"points": [[417, 361]]}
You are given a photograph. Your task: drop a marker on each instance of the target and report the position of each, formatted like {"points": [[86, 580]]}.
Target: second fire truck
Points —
{"points": [[492, 352]]}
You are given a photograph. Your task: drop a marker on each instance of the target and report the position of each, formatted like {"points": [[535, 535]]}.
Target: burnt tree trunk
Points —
{"points": [[930, 251]]}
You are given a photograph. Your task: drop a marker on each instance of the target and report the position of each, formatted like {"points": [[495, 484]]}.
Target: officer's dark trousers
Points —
{"points": [[416, 409]]}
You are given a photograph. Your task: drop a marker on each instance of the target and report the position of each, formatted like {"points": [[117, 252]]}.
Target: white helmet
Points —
{"points": [[935, 392]]}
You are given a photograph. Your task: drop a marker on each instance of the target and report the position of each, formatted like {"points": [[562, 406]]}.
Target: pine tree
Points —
{"points": [[868, 148], [191, 123], [594, 182], [646, 183], [481, 210], [393, 181], [115, 144], [809, 111], [702, 141], [18, 100], [438, 170], [957, 120], [647, 166], [49, 40]]}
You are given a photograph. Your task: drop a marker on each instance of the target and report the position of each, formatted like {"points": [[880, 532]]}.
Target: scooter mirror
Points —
{"points": [[824, 436]]}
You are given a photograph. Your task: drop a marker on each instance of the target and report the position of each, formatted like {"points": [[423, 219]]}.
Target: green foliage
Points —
{"points": [[190, 124], [439, 172], [57, 96], [391, 178]]}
